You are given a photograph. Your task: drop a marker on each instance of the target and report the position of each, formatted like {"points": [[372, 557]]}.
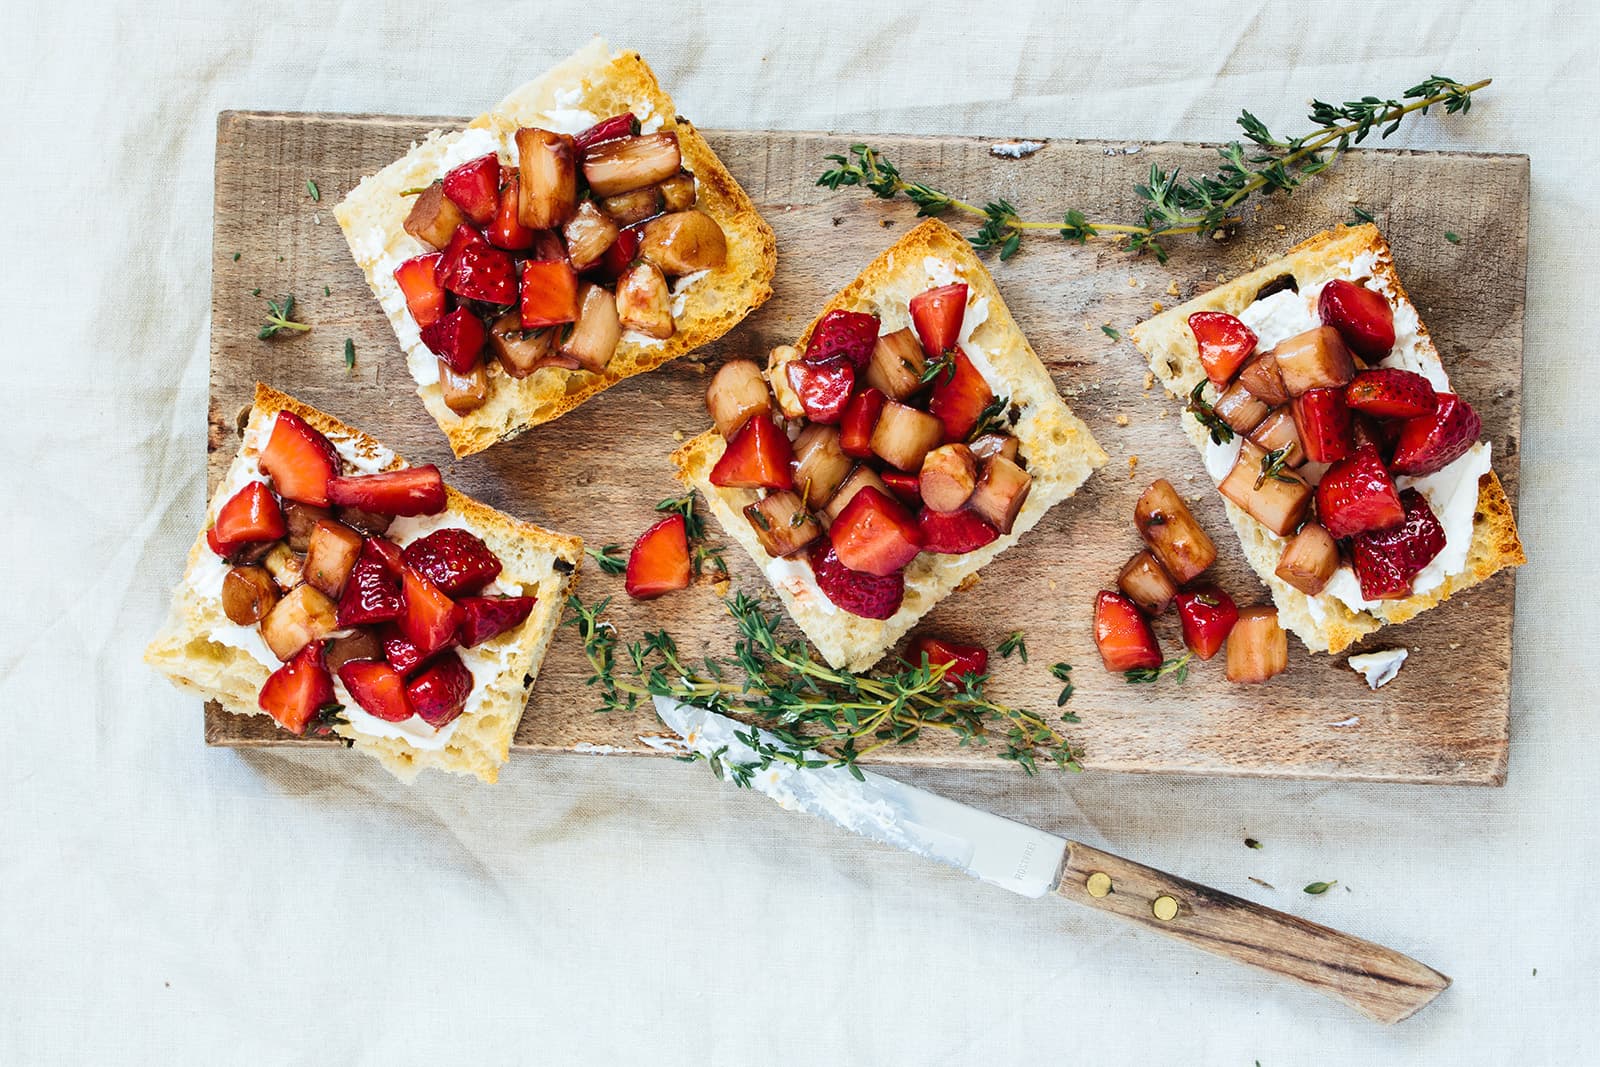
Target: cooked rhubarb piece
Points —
{"points": [[368, 522], [1262, 377], [521, 352], [1363, 318], [904, 435], [778, 361], [659, 562], [949, 475], [644, 302], [1258, 649], [1357, 495], [820, 465], [302, 616], [1241, 409], [455, 560], [1277, 431], [896, 363], [399, 653], [457, 339], [549, 293], [465, 237], [248, 594], [413, 491], [331, 554], [372, 592], [823, 388], [589, 233], [1309, 559], [611, 129], [486, 617], [906, 488], [440, 692], [630, 208], [294, 693], [1172, 532], [875, 534], [847, 334], [361, 644], [618, 258], [683, 242], [1123, 635], [417, 278], [594, 339], [1433, 442], [1323, 423], [1224, 343], [861, 478], [960, 396], [782, 523], [285, 565], [737, 391], [1387, 561], [628, 163], [378, 688], [474, 186], [1207, 615], [968, 662], [482, 272], [1391, 393], [464, 393], [251, 514], [678, 192], [430, 617], [1316, 359], [1001, 491], [937, 316], [953, 533], [867, 596], [506, 230], [547, 174], [994, 444], [299, 460], [758, 457], [1146, 582], [1278, 500], [434, 217]]}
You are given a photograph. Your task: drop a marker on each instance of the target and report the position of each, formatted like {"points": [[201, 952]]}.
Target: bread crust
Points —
{"points": [[185, 652], [1169, 346], [1060, 450], [593, 79]]}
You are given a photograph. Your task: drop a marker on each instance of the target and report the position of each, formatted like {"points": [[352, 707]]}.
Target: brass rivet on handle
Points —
{"points": [[1099, 884], [1164, 908]]}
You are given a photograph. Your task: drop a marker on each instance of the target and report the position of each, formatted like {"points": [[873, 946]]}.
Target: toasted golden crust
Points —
{"points": [[1059, 449], [187, 653], [1169, 345], [593, 80]]}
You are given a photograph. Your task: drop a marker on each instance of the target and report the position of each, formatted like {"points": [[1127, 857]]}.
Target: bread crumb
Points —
{"points": [[722, 587], [1133, 283], [1149, 380], [1052, 584], [1280, 227], [677, 435], [1122, 420], [1133, 466], [968, 582], [1172, 288], [1155, 305]]}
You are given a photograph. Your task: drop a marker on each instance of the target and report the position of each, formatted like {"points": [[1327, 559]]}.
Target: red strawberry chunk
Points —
{"points": [[907, 488], [251, 514], [659, 562], [463, 238], [875, 534], [413, 491], [1323, 420], [483, 617], [1363, 318], [506, 230], [960, 661], [1224, 343], [439, 693], [758, 457], [860, 419], [1207, 615], [823, 388], [867, 596], [937, 316], [378, 688], [1123, 635], [455, 560], [1387, 561], [418, 278], [549, 293], [295, 692], [483, 272], [1433, 442], [960, 396], [1357, 494], [618, 258], [612, 129], [430, 618], [953, 533], [402, 655], [372, 592], [850, 334], [457, 338], [474, 186], [1391, 393]]}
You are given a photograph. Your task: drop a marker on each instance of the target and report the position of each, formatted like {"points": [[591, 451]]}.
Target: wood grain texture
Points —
{"points": [[1377, 981], [599, 471]]}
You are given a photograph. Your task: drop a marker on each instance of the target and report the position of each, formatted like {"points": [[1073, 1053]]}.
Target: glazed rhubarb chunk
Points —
{"points": [[1146, 582], [1278, 430], [1309, 559], [520, 351], [904, 435], [820, 464], [948, 478], [1258, 648], [684, 242], [434, 217], [304, 615], [330, 556], [594, 338], [1167, 526], [547, 171], [248, 594], [861, 478], [644, 302], [1000, 492], [589, 233], [1316, 359], [782, 523], [629, 163], [1278, 501], [1241, 409], [896, 363]]}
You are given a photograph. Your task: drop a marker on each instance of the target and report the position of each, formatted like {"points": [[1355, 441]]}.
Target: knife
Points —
{"points": [[1377, 981]]}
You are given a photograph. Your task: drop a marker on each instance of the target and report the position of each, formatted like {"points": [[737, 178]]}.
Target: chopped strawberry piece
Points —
{"points": [[1391, 393], [401, 654], [614, 128], [418, 278], [953, 533], [549, 293], [1363, 318], [251, 514], [1387, 561], [430, 618], [1123, 635], [1433, 442], [295, 692], [388, 553], [440, 693], [457, 338], [475, 187], [960, 396], [619, 257], [1207, 615], [482, 272], [875, 534], [1357, 494], [413, 491], [1324, 424], [506, 229], [860, 419], [960, 661], [378, 688], [824, 388], [372, 592], [483, 617], [850, 334], [907, 488], [659, 562], [453, 559], [758, 457], [463, 238], [937, 315], [1224, 343], [299, 460], [867, 596]]}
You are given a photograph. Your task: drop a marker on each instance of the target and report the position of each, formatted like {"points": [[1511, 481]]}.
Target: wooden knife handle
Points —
{"points": [[1377, 981]]}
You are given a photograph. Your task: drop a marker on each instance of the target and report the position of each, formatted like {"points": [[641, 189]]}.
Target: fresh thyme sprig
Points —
{"points": [[280, 316], [1272, 466], [1014, 642], [1174, 205], [1177, 668], [820, 715], [609, 558], [1206, 415]]}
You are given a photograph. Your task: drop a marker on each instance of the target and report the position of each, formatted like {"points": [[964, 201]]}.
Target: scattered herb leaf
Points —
{"points": [[1359, 215], [313, 191], [349, 354], [1453, 237], [1316, 889], [1206, 415], [236, 257], [1014, 642], [1062, 672], [1178, 668], [1111, 332], [1251, 842], [280, 316], [609, 557]]}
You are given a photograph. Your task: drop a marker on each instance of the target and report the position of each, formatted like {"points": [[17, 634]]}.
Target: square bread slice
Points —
{"points": [[202, 652], [590, 85], [1356, 253], [1058, 448]]}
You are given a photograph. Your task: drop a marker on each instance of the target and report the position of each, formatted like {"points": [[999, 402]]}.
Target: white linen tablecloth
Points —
{"points": [[161, 902]]}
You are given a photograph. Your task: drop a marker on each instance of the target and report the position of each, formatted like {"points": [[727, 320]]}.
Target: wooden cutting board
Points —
{"points": [[599, 471]]}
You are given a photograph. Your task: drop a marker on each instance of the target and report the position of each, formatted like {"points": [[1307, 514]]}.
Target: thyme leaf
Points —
{"points": [[1178, 668], [1206, 415], [280, 316], [1316, 889], [609, 558], [1015, 642]]}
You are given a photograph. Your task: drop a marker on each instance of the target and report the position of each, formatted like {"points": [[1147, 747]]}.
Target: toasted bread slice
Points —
{"points": [[1325, 623], [1059, 450], [202, 652], [597, 83]]}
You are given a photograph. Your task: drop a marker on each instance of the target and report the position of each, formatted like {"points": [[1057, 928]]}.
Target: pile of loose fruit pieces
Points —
{"points": [[546, 265], [312, 567]]}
